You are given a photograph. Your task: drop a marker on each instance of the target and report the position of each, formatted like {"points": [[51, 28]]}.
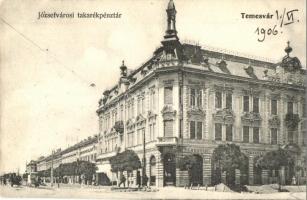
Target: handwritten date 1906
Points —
{"points": [[262, 33]]}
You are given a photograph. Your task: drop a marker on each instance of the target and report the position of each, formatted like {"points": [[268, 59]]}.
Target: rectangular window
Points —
{"points": [[152, 100], [131, 139], [168, 95], [273, 135], [256, 135], [138, 106], [168, 128], [192, 129], [143, 105], [153, 131], [199, 130], [304, 110], [140, 133], [199, 98], [256, 105], [180, 95], [246, 103], [150, 133], [290, 136], [218, 131], [229, 101], [192, 97], [274, 107], [180, 128], [229, 132], [245, 134], [218, 100], [290, 107]]}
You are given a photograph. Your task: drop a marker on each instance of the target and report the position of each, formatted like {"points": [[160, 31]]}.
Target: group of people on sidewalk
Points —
{"points": [[139, 182]]}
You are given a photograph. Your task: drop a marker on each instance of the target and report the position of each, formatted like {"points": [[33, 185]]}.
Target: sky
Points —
{"points": [[48, 65]]}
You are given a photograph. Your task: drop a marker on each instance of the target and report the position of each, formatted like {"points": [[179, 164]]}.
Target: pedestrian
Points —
{"points": [[138, 179], [145, 180], [190, 179], [122, 180]]}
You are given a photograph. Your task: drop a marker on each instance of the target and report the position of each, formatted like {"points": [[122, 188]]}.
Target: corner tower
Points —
{"points": [[171, 44]]}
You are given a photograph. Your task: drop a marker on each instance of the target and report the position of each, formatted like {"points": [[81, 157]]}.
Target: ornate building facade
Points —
{"points": [[186, 100]]}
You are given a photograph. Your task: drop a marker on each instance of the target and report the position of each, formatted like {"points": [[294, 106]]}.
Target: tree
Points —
{"points": [[227, 158], [275, 160], [87, 169], [186, 162], [125, 161]]}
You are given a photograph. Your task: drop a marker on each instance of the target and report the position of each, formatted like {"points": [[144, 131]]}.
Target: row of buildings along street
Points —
{"points": [[191, 115]]}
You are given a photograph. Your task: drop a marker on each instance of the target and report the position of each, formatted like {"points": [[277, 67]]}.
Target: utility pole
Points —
{"points": [[51, 173], [144, 159]]}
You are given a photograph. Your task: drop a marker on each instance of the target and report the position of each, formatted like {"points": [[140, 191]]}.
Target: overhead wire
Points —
{"points": [[48, 52]]}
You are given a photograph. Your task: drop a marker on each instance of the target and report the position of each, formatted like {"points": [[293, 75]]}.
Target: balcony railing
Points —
{"points": [[167, 141]]}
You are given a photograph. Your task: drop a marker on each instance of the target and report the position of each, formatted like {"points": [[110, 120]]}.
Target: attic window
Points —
{"points": [[143, 72], [250, 71], [223, 66], [206, 60], [132, 80]]}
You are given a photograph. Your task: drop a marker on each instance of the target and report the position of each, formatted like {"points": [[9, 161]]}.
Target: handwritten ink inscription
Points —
{"points": [[282, 19]]}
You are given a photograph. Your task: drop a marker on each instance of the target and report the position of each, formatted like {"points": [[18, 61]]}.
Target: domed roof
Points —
{"points": [[290, 63]]}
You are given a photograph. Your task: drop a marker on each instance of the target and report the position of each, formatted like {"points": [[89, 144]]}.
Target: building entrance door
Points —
{"points": [[169, 164]]}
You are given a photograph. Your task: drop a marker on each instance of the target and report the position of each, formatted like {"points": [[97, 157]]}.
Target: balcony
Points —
{"points": [[119, 127], [167, 141], [292, 121], [106, 155]]}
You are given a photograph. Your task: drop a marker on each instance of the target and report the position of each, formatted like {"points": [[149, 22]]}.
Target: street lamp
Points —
{"points": [[144, 159], [51, 173]]}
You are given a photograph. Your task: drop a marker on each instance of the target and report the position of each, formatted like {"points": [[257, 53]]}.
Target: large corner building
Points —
{"points": [[187, 100]]}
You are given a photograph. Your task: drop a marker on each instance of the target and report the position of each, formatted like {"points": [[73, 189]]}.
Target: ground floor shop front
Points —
{"points": [[162, 167]]}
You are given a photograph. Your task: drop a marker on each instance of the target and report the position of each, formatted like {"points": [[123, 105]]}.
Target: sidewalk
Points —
{"points": [[105, 192]]}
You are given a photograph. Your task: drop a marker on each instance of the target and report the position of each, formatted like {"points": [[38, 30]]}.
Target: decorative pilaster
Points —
{"points": [[207, 170], [159, 178], [281, 137], [251, 170]]}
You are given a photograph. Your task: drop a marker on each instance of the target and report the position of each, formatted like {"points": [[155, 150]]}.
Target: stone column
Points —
{"points": [[160, 171], [251, 170], [207, 169]]}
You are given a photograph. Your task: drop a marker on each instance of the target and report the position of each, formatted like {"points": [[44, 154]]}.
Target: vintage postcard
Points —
{"points": [[153, 99]]}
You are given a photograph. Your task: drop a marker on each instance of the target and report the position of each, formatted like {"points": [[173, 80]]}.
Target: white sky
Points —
{"points": [[44, 106]]}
